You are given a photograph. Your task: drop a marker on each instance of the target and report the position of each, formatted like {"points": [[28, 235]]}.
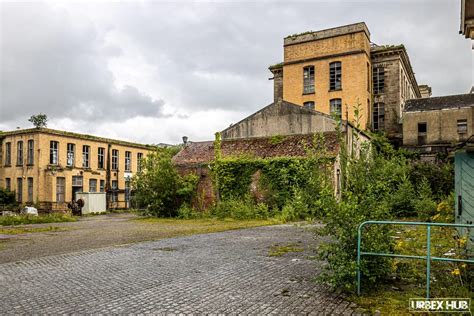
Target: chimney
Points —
{"points": [[185, 140], [277, 71]]}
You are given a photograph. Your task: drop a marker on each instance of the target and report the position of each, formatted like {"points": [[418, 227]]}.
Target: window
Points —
{"points": [[128, 161], [77, 181], [378, 76], [114, 196], [335, 106], [19, 190], [92, 185], [139, 161], [30, 190], [19, 153], [335, 76], [71, 148], [60, 189], [8, 184], [100, 158], [85, 156], [378, 116], [309, 105], [8, 154], [368, 77], [115, 157], [53, 152], [127, 191], [308, 80], [422, 130], [102, 185], [31, 152], [462, 126]]}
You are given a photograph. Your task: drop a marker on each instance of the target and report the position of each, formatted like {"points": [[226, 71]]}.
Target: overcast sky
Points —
{"points": [[153, 71]]}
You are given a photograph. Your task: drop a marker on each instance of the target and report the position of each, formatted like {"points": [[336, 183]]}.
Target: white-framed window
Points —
{"points": [[128, 161], [86, 156], [53, 152], [71, 148]]}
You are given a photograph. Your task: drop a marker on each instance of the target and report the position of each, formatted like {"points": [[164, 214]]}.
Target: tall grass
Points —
{"points": [[30, 219]]}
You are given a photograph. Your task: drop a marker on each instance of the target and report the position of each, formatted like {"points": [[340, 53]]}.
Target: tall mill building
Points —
{"points": [[339, 71]]}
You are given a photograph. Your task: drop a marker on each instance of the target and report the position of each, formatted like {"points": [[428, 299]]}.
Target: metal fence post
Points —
{"points": [[428, 260], [358, 256]]}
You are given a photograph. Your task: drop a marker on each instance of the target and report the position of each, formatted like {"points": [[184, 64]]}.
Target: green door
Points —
{"points": [[464, 187]]}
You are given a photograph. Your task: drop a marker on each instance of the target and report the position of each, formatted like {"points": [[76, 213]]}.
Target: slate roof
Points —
{"points": [[440, 103], [199, 153]]}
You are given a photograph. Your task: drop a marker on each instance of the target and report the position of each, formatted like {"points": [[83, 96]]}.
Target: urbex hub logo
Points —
{"points": [[440, 305]]}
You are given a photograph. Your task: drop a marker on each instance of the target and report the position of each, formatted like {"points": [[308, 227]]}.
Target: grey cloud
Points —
{"points": [[57, 64]]}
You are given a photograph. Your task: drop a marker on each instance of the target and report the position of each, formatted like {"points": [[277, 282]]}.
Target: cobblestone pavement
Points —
{"points": [[229, 272]]}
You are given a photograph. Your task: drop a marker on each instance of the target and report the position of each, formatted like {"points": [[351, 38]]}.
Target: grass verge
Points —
{"points": [[41, 219], [29, 230], [280, 250], [171, 227]]}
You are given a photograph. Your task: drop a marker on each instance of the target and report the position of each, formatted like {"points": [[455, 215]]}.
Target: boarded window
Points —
{"points": [[378, 116], [335, 76], [378, 77], [308, 79]]}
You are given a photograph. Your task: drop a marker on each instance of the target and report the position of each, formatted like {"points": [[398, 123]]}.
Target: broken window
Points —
{"points": [[335, 76], [309, 105], [85, 156], [378, 116], [422, 130], [462, 126], [308, 79], [31, 152], [378, 77], [335, 106], [53, 152], [115, 157], [19, 153], [70, 155]]}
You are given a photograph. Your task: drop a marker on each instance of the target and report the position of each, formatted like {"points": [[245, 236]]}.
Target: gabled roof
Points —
{"points": [[200, 153], [440, 103]]}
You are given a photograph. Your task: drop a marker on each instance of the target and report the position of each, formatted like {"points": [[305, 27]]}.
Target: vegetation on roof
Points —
{"points": [[278, 65]]}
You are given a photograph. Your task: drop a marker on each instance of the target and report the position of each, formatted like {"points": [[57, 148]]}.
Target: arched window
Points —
{"points": [[335, 76]]}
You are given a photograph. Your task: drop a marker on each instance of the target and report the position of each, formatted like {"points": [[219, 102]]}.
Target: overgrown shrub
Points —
{"points": [[439, 176], [7, 197], [242, 208], [425, 206], [159, 188]]}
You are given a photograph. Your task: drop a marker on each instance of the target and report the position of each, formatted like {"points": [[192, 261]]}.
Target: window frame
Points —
{"points": [[311, 105], [8, 154], [60, 194], [100, 158], [115, 160], [128, 161], [30, 184], [335, 76], [377, 114], [71, 155], [139, 162], [93, 185], [19, 153], [461, 125], [308, 79], [53, 152], [335, 102], [30, 159], [86, 156], [19, 189], [378, 78]]}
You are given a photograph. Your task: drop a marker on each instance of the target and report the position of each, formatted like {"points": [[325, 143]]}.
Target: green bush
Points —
{"points": [[30, 219], [7, 197], [439, 176], [234, 208], [425, 206], [159, 188]]}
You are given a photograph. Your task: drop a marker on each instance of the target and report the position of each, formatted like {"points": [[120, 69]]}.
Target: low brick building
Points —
{"points": [[46, 167], [437, 124]]}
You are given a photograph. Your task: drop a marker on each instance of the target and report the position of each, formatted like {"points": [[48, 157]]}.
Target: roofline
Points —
{"points": [[443, 96], [49, 131]]}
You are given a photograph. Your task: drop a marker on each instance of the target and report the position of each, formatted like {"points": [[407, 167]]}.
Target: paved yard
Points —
{"points": [[228, 272]]}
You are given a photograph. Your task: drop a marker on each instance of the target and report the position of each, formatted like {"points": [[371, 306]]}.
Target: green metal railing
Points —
{"points": [[428, 256]]}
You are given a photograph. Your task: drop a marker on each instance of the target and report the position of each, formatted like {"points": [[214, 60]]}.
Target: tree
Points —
{"points": [[39, 120], [159, 187]]}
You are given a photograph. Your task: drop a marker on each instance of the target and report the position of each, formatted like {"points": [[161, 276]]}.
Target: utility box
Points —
{"points": [[94, 202], [464, 188]]}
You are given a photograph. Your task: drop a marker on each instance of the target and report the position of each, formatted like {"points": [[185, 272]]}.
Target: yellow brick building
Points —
{"points": [[331, 71], [46, 167]]}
